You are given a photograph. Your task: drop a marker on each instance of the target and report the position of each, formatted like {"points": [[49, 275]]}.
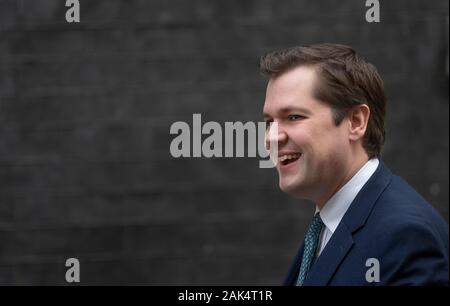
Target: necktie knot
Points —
{"points": [[316, 223], [310, 247]]}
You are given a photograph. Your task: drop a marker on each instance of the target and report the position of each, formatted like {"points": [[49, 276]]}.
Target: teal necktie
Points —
{"points": [[309, 251]]}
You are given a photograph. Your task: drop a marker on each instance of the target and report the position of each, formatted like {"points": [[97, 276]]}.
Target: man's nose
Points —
{"points": [[276, 135]]}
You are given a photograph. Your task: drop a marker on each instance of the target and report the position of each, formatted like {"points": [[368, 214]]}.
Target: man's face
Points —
{"points": [[312, 150]]}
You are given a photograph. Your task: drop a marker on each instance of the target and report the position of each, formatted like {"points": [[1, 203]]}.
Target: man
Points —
{"points": [[370, 226]]}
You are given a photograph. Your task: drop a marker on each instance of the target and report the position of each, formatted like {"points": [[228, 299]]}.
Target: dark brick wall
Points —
{"points": [[85, 111]]}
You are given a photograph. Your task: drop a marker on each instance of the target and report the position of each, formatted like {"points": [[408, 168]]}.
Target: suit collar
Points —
{"points": [[335, 208], [364, 202]]}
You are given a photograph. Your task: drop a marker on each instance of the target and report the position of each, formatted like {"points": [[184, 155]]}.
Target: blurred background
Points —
{"points": [[85, 112]]}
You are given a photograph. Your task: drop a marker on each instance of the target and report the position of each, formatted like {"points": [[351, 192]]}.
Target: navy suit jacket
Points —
{"points": [[389, 221]]}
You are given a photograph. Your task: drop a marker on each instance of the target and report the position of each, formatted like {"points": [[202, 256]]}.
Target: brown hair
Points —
{"points": [[345, 79]]}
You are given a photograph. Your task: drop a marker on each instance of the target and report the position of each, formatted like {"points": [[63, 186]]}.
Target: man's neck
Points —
{"points": [[354, 167]]}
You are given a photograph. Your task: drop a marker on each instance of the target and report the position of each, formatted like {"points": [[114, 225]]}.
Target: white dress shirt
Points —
{"points": [[335, 208]]}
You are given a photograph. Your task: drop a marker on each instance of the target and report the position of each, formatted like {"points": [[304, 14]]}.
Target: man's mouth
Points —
{"points": [[288, 158]]}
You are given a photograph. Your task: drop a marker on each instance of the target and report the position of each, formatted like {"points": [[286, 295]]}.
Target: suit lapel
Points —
{"points": [[291, 277], [330, 258], [341, 241]]}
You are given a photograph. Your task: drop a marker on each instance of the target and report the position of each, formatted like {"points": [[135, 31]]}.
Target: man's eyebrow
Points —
{"points": [[289, 109], [300, 109], [266, 116]]}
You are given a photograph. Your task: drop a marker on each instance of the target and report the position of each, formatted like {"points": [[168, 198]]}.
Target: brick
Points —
{"points": [[70, 242], [148, 207]]}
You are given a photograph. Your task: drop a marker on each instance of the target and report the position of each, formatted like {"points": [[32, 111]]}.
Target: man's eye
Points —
{"points": [[268, 122], [295, 117]]}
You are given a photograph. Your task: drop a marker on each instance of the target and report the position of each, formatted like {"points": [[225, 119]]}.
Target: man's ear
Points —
{"points": [[358, 118]]}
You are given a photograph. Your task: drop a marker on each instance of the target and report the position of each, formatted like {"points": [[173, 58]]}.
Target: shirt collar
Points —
{"points": [[335, 208]]}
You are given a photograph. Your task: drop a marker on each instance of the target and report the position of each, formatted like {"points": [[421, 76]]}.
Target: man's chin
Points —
{"points": [[297, 187], [291, 188]]}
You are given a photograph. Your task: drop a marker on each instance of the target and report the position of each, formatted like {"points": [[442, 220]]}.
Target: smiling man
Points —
{"points": [[370, 226]]}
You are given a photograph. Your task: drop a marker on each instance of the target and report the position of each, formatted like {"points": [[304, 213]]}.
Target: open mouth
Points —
{"points": [[289, 158]]}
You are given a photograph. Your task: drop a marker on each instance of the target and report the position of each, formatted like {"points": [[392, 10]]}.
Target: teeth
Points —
{"points": [[289, 156]]}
